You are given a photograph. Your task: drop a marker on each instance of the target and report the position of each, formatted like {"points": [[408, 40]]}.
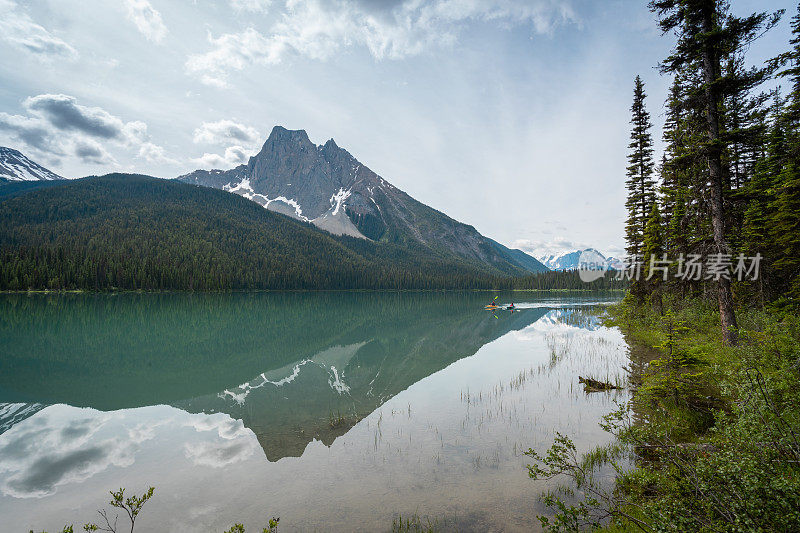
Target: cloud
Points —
{"points": [[45, 473], [90, 151], [147, 19], [152, 153], [234, 155], [135, 131], [555, 246], [50, 449], [218, 455], [57, 126], [66, 114], [318, 29], [225, 131], [232, 51], [253, 6], [19, 30], [235, 442], [32, 132]]}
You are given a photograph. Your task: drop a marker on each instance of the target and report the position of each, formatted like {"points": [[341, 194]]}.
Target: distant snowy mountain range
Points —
{"points": [[570, 260], [15, 166]]}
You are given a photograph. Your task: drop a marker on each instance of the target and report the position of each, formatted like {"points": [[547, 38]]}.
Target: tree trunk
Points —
{"points": [[710, 69]]}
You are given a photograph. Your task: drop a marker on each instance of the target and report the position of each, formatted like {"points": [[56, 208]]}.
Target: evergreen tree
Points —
{"points": [[758, 234], [707, 33], [640, 182], [786, 217], [653, 245]]}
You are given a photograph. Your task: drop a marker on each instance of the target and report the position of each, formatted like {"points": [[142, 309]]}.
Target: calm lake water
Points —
{"points": [[333, 411]]}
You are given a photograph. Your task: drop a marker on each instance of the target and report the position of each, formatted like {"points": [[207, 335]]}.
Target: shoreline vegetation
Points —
{"points": [[709, 439]]}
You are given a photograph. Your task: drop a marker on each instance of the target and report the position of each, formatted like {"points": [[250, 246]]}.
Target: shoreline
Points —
{"points": [[185, 291]]}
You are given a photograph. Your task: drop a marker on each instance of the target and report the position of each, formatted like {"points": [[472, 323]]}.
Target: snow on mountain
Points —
{"points": [[570, 260], [15, 166]]}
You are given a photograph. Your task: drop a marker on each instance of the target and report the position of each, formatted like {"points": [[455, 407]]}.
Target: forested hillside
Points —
{"points": [[136, 232]]}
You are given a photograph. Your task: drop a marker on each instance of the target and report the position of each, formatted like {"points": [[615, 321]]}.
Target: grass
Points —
{"points": [[714, 430], [337, 420], [415, 524]]}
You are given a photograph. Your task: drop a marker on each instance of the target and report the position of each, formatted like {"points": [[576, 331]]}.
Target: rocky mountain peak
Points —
{"points": [[327, 186], [281, 134]]}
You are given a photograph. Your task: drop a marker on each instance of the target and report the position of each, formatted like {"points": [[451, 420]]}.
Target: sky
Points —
{"points": [[509, 115]]}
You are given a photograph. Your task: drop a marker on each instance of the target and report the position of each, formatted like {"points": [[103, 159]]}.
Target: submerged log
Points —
{"points": [[592, 385]]}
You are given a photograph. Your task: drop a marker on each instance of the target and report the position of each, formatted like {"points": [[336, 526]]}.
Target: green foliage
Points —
{"points": [[640, 182], [715, 431], [568, 280], [141, 233], [132, 506], [653, 244], [741, 471], [596, 505], [272, 527]]}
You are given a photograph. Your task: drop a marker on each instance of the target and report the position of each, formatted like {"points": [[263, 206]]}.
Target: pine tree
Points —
{"points": [[759, 199], [673, 172], [653, 245], [786, 217], [640, 183], [706, 35], [653, 248]]}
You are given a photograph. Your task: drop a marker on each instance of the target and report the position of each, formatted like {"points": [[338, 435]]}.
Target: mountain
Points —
{"points": [[15, 166], [570, 260], [328, 187], [521, 259], [137, 232]]}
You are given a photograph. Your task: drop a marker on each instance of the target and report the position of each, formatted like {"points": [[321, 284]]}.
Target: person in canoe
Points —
{"points": [[511, 306], [492, 304]]}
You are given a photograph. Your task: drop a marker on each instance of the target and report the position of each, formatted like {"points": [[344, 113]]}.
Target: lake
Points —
{"points": [[332, 411]]}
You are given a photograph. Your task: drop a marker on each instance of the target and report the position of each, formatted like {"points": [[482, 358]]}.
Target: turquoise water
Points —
{"points": [[334, 411]]}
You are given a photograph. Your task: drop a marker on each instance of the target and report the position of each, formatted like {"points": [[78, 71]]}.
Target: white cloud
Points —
{"points": [[57, 125], [153, 153], [135, 131], [234, 155], [147, 19], [225, 131], [235, 442], [254, 6], [19, 30], [317, 29], [232, 51]]}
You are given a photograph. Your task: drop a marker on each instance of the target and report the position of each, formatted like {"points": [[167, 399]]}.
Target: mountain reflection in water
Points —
{"points": [[159, 388]]}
